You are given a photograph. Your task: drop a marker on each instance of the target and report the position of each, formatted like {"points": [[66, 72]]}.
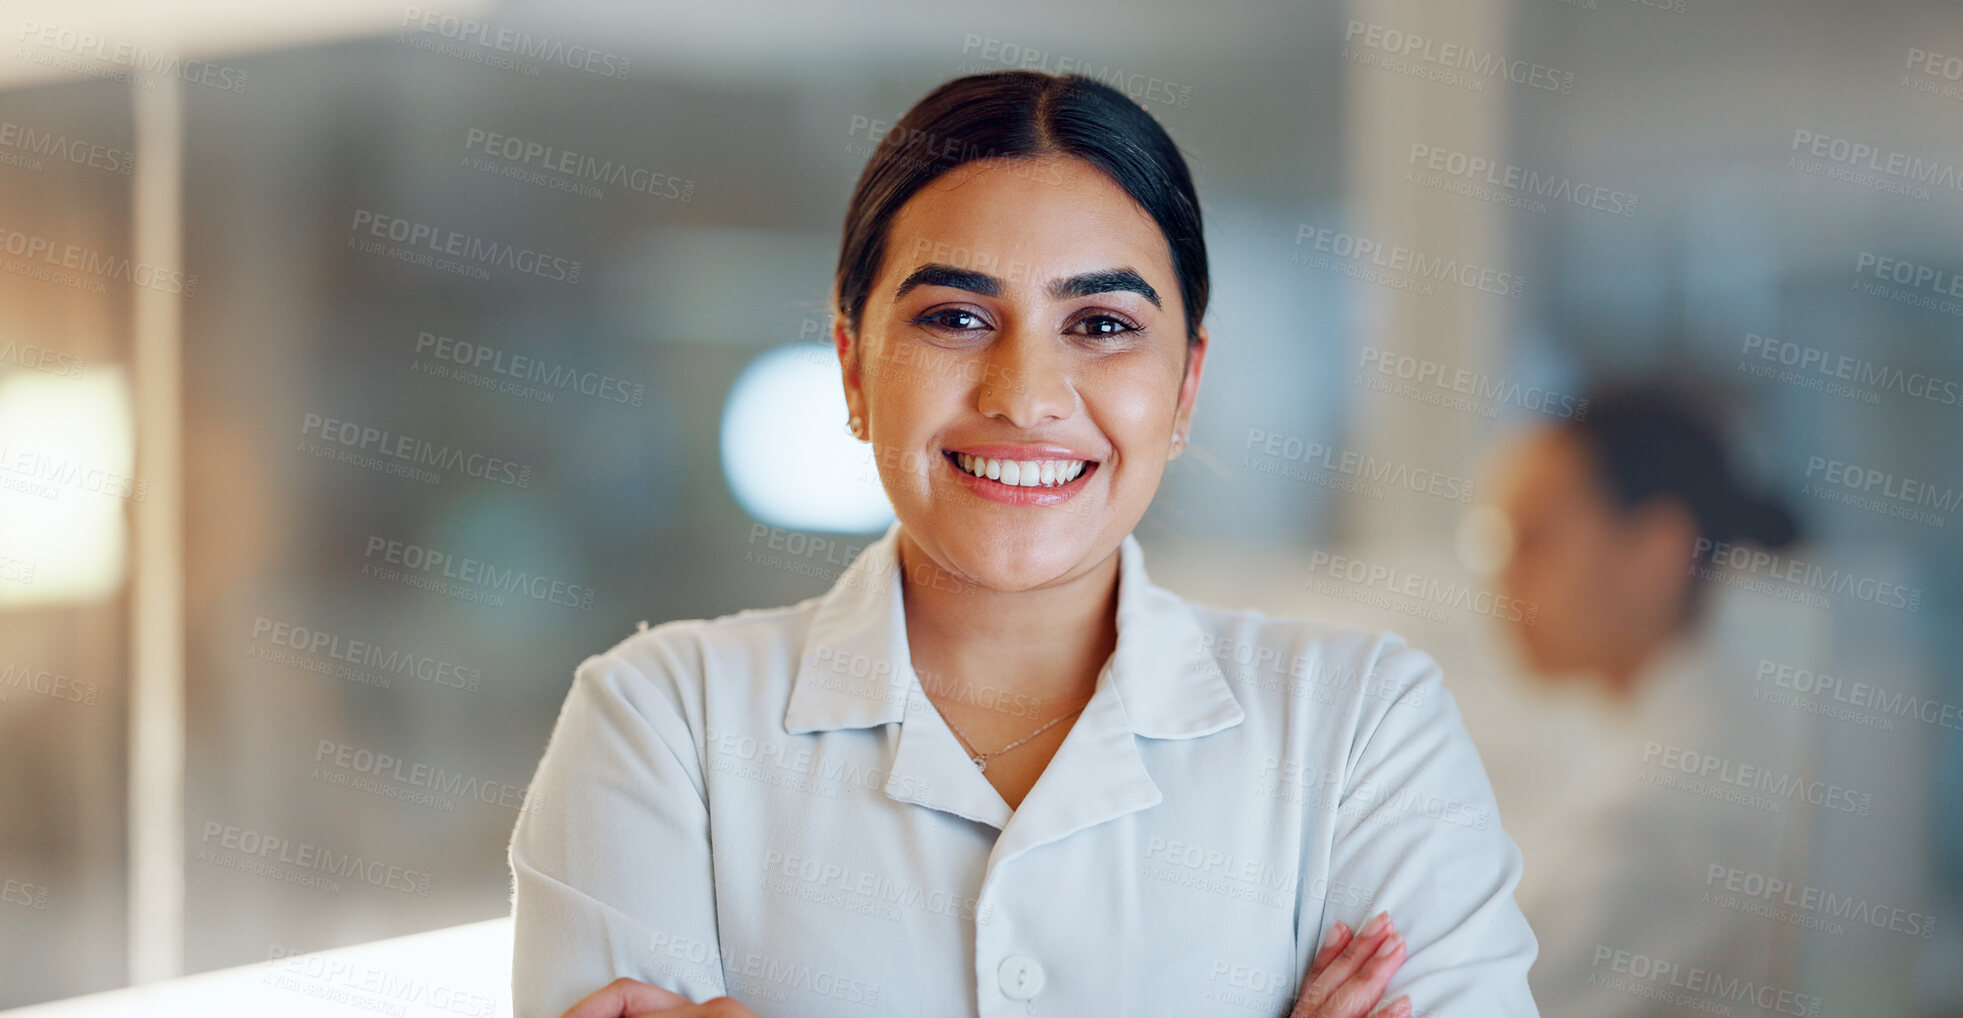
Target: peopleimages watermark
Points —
{"points": [[17, 570], [356, 985], [23, 146], [792, 765], [1749, 784], [360, 660], [24, 894], [809, 555], [132, 63], [450, 250], [1923, 286], [1420, 589], [303, 863], [1304, 674], [1747, 561], [403, 454], [535, 162], [1351, 464], [1395, 265], [869, 892], [1443, 384], [1819, 692], [494, 46], [1933, 73], [1502, 183], [35, 357], [1673, 982], [534, 378], [1879, 491], [1871, 166], [410, 781], [1368, 801], [417, 565], [1141, 88], [1818, 368], [44, 682], [753, 974], [1452, 63], [59, 472], [1219, 872], [84, 268], [1804, 905]]}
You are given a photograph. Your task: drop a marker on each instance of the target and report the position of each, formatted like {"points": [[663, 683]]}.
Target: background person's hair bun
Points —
{"points": [[1651, 439]]}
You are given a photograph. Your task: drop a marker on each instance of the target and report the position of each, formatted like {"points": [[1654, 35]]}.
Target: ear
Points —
{"points": [[848, 363], [1665, 534], [1189, 386]]}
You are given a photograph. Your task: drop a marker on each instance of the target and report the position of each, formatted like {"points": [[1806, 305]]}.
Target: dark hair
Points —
{"points": [[1015, 114], [1650, 439]]}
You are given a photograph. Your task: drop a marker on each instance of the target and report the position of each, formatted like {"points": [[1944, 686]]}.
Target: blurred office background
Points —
{"points": [[227, 615]]}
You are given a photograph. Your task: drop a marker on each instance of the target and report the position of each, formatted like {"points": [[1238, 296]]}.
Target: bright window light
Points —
{"points": [[66, 449], [789, 459], [456, 971]]}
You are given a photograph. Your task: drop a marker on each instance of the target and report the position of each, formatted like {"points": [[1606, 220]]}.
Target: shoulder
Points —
{"points": [[1315, 659], [677, 658]]}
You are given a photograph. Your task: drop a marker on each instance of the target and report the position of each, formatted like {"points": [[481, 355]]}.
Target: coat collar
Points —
{"points": [[855, 670]]}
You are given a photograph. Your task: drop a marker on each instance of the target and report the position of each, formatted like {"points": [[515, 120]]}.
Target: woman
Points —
{"points": [[827, 809], [1635, 848]]}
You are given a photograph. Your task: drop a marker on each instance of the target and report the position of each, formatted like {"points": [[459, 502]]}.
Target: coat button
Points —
{"points": [[1022, 977]]}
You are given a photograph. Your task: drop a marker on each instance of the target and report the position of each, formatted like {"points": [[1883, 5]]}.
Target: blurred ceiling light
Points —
{"points": [[63, 40], [789, 460], [66, 448]]}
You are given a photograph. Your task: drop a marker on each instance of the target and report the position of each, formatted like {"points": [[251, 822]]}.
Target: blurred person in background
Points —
{"points": [[1639, 828]]}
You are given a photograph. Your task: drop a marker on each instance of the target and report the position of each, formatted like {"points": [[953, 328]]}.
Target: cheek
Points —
{"points": [[1134, 406]]}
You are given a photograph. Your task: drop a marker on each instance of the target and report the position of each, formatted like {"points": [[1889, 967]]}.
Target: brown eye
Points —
{"points": [[1103, 326], [957, 319]]}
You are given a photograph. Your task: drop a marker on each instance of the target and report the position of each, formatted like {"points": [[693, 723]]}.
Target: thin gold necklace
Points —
{"points": [[981, 759]]}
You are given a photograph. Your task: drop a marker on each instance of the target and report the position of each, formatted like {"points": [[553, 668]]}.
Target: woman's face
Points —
{"points": [[1606, 582], [1026, 313]]}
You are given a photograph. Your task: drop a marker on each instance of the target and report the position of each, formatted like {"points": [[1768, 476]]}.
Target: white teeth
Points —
{"points": [[1022, 473]]}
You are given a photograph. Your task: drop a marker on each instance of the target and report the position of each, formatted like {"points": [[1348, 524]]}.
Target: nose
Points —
{"points": [[1026, 379]]}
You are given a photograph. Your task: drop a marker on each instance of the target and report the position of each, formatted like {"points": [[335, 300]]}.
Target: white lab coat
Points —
{"points": [[1657, 831], [767, 805]]}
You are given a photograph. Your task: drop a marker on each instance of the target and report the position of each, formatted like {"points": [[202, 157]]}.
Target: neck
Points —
{"points": [[1048, 643], [1626, 669]]}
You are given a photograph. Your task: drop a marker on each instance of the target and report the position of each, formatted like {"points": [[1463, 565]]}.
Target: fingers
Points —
{"points": [[624, 997], [1399, 1008], [1351, 983], [1359, 950], [714, 1007], [1339, 938]]}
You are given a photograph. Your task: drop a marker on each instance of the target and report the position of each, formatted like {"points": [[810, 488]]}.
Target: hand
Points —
{"points": [[630, 998], [1348, 976]]}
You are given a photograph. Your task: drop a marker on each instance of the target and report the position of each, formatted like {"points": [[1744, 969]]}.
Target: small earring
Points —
{"points": [[854, 424], [1178, 439]]}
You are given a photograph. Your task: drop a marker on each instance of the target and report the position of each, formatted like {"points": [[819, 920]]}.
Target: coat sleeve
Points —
{"points": [[610, 859], [1417, 821]]}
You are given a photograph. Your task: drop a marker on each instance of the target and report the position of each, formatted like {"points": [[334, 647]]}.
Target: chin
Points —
{"points": [[1012, 557], [1011, 565]]}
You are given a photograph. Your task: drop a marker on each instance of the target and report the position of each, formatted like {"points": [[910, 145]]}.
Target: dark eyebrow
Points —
{"points": [[933, 274], [1084, 285], [1104, 281]]}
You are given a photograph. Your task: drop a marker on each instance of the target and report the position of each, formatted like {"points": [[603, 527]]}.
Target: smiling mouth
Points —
{"points": [[1039, 474]]}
